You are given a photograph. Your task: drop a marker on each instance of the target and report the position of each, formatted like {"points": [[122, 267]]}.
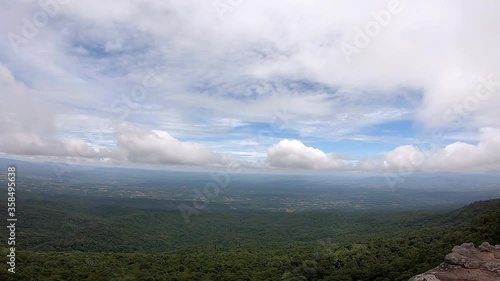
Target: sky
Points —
{"points": [[369, 86]]}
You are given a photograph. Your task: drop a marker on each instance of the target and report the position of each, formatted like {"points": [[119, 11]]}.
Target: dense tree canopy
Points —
{"points": [[64, 242]]}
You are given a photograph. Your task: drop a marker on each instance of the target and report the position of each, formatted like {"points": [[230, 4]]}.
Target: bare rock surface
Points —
{"points": [[467, 263]]}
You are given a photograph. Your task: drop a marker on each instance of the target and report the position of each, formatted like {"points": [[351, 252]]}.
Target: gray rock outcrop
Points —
{"points": [[467, 263]]}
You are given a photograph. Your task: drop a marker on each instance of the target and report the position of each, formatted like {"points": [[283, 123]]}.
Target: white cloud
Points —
{"points": [[159, 147], [25, 144], [457, 156], [28, 125], [294, 154]]}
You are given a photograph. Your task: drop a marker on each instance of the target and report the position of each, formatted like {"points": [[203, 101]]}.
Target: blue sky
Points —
{"points": [[301, 85]]}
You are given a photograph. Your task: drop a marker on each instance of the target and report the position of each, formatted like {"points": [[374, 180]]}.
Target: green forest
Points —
{"points": [[70, 240]]}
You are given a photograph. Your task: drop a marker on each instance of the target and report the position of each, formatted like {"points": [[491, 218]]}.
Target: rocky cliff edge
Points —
{"points": [[467, 263]]}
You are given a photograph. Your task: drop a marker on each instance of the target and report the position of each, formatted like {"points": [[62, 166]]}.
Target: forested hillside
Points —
{"points": [[69, 241]]}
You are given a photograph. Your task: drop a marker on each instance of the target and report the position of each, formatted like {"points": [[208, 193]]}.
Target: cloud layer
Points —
{"points": [[294, 154], [195, 82], [159, 147], [457, 156]]}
